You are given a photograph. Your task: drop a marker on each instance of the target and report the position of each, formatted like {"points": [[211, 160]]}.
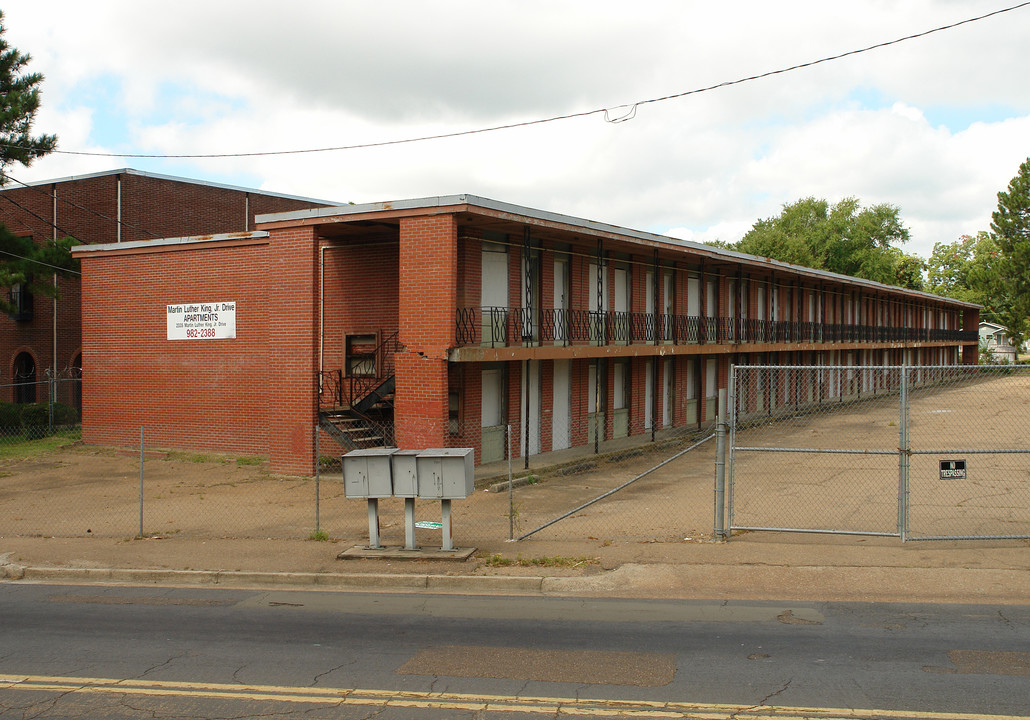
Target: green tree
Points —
{"points": [[968, 269], [23, 262], [843, 238], [1010, 225], [19, 101]]}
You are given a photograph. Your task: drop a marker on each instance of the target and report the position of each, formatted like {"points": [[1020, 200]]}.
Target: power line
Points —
{"points": [[122, 223], [526, 123], [11, 200]]}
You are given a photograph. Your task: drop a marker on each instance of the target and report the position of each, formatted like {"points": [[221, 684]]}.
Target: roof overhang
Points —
{"points": [[481, 207]]}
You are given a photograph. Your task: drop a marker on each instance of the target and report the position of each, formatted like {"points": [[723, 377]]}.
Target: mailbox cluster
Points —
{"points": [[442, 474]]}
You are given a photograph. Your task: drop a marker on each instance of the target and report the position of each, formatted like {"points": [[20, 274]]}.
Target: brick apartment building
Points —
{"points": [[118, 206], [468, 315]]}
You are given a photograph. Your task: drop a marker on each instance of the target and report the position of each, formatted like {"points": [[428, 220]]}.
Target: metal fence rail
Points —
{"points": [[916, 452]]}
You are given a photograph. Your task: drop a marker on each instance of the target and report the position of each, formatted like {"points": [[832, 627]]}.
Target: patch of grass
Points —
{"points": [[249, 461], [498, 560], [319, 536], [20, 447], [192, 457]]}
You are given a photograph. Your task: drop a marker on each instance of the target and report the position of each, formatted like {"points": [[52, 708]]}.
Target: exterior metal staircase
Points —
{"points": [[357, 410]]}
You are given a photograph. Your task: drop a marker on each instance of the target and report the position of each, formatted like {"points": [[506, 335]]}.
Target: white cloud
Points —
{"points": [[202, 77]]}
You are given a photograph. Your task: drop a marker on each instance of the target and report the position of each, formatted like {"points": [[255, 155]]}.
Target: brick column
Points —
{"points": [[428, 302], [292, 349]]}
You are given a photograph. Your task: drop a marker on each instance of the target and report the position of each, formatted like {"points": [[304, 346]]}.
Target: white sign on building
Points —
{"points": [[202, 321]]}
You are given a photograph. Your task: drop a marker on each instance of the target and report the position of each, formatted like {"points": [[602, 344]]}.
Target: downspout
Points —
{"points": [[54, 357], [118, 216], [321, 314]]}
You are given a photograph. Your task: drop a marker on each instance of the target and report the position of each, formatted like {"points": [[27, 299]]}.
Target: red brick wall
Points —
{"points": [[426, 309], [291, 278], [189, 394], [361, 295], [87, 209]]}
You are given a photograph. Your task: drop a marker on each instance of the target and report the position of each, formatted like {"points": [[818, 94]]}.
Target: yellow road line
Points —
{"points": [[463, 701]]}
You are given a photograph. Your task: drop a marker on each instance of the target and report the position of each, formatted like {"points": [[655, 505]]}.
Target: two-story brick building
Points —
{"points": [[464, 315], [117, 206]]}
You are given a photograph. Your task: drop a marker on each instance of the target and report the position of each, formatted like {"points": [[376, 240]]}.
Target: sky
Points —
{"points": [[936, 125]]}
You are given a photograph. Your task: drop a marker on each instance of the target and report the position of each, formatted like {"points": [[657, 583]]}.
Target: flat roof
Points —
{"points": [[100, 248], [474, 201], [172, 178]]}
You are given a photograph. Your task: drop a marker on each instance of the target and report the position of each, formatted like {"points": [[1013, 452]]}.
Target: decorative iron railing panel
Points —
{"points": [[501, 327]]}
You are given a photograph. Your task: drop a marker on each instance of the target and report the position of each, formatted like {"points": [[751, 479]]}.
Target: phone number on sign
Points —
{"points": [[200, 333]]}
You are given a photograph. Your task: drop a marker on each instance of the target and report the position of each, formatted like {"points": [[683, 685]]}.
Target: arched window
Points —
{"points": [[24, 378]]}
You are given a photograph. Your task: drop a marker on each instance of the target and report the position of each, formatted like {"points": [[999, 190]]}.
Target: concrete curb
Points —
{"points": [[486, 584], [820, 583]]}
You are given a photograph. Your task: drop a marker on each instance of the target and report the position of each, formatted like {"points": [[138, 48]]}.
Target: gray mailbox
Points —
{"points": [[367, 473], [445, 473], [405, 473]]}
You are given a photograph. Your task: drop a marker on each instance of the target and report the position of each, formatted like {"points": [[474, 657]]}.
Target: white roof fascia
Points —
{"points": [[172, 178], [166, 242]]}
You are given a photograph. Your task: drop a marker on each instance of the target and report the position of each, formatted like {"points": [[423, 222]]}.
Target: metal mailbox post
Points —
{"points": [[445, 474], [369, 474], [442, 474], [405, 485]]}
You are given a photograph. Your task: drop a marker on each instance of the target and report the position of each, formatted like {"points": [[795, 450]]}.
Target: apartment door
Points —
{"points": [[494, 444], [667, 397], [620, 398], [561, 300], [561, 412], [649, 394], [596, 400], [530, 407], [711, 389], [620, 326], [693, 309], [494, 294], [668, 305]]}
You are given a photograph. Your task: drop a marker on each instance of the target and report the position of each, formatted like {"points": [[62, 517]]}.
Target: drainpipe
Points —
{"points": [[321, 314], [54, 357], [118, 216]]}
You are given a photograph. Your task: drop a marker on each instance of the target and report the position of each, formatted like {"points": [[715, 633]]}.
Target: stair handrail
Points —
{"points": [[383, 360]]}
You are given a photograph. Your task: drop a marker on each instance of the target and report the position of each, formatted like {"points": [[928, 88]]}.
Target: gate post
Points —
{"points": [[903, 457], [720, 467]]}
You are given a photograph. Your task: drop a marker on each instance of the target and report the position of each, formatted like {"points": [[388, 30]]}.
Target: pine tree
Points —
{"points": [[19, 101], [23, 263], [1010, 227]]}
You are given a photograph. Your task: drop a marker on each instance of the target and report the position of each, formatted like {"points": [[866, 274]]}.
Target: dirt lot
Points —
{"points": [[86, 491], [85, 501], [845, 483]]}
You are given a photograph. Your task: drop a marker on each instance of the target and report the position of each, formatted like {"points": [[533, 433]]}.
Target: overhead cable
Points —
{"points": [[526, 123]]}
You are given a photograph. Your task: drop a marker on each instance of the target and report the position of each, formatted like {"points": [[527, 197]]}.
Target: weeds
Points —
{"points": [[319, 536], [19, 447], [498, 560]]}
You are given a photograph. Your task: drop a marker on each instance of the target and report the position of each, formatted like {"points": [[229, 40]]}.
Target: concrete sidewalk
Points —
{"points": [[752, 566]]}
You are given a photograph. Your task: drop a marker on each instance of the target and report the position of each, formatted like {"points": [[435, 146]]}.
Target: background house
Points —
{"points": [[995, 340]]}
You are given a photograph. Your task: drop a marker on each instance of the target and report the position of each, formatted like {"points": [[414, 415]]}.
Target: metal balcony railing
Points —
{"points": [[505, 327]]}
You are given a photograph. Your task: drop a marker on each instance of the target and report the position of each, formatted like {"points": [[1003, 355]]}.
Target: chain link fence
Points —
{"points": [[85, 491], [915, 452], [617, 486], [34, 410]]}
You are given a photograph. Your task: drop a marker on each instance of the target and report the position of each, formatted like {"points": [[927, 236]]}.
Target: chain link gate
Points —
{"points": [[919, 453]]}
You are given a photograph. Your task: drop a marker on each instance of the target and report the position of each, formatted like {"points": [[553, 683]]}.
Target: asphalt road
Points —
{"points": [[128, 652]]}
